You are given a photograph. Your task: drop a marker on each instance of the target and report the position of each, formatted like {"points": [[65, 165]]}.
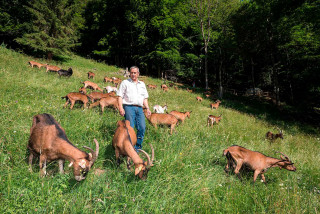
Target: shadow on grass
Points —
{"points": [[306, 122]]}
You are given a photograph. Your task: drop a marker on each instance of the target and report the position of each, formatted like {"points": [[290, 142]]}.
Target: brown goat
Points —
{"points": [[164, 86], [215, 105], [152, 86], [37, 64], [97, 95], [161, 119], [165, 89], [94, 86], [72, 97], [123, 142], [107, 79], [199, 99], [106, 101], [49, 141], [176, 88], [238, 156], [181, 116], [213, 119], [52, 68], [116, 81], [91, 75], [189, 90], [272, 137]]}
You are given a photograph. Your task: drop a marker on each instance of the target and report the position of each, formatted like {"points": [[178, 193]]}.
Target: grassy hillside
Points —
{"points": [[188, 176]]}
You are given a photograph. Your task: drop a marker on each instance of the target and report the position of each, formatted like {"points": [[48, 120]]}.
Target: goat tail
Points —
{"points": [[94, 104], [225, 152]]}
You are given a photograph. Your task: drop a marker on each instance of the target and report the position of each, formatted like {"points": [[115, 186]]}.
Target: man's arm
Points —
{"points": [[121, 110], [145, 103]]}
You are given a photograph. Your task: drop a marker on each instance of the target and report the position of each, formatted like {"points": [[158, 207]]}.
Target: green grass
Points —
{"points": [[188, 176]]}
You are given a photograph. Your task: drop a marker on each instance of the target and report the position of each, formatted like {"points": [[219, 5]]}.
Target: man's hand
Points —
{"points": [[121, 111], [148, 112]]}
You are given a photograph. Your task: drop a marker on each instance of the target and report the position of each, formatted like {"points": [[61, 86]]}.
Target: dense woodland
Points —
{"points": [[272, 45]]}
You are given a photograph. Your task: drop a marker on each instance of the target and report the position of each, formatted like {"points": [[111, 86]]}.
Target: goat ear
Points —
{"points": [[70, 164], [137, 170], [127, 123], [82, 163]]}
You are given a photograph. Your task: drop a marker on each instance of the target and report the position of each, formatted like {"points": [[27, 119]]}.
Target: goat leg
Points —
{"points": [[237, 170], [30, 161], [61, 166], [263, 178], [65, 105], [72, 103], [128, 163], [43, 165], [255, 175]]}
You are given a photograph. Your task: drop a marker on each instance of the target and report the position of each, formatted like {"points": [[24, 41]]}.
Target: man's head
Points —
{"points": [[134, 73]]}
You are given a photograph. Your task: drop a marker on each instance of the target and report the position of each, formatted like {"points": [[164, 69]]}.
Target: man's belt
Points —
{"points": [[132, 105]]}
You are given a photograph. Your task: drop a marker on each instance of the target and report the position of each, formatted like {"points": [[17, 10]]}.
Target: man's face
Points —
{"points": [[134, 74]]}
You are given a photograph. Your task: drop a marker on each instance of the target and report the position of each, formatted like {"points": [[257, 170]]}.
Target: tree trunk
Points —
{"points": [[50, 55], [252, 76], [206, 66]]}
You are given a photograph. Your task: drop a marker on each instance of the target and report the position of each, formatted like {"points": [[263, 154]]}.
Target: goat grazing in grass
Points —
{"points": [[162, 119], [189, 90], [215, 105], [94, 86], [123, 142], [199, 99], [106, 101], [181, 116], [52, 68], [238, 156], [272, 137], [213, 119], [116, 80], [37, 64], [91, 75], [67, 73], [97, 95], [72, 97], [107, 79], [164, 86], [49, 141], [160, 109], [152, 86]]}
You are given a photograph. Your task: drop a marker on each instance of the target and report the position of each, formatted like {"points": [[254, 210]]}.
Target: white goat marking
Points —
{"points": [[159, 109]]}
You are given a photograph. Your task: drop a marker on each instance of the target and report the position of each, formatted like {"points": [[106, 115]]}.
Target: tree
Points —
{"points": [[204, 11], [56, 26]]}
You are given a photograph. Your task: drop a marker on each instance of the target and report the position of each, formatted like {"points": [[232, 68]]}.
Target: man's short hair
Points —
{"points": [[132, 67]]}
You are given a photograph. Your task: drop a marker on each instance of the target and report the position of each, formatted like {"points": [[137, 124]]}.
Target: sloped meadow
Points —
{"points": [[188, 174]]}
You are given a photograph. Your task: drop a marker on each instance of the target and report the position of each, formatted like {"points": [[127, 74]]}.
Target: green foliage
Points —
{"points": [[55, 26], [188, 176]]}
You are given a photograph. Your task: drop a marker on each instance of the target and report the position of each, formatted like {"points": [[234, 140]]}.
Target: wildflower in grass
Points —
{"points": [[281, 184]]}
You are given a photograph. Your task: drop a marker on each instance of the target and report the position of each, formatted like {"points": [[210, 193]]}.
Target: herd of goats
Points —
{"points": [[49, 142]]}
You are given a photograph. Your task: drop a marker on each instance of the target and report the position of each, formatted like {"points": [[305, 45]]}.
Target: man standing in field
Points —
{"points": [[133, 95]]}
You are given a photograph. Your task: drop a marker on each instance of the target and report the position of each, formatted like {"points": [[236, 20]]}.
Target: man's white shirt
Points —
{"points": [[132, 93]]}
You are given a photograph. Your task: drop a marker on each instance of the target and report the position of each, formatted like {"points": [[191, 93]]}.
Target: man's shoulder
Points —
{"points": [[125, 82]]}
